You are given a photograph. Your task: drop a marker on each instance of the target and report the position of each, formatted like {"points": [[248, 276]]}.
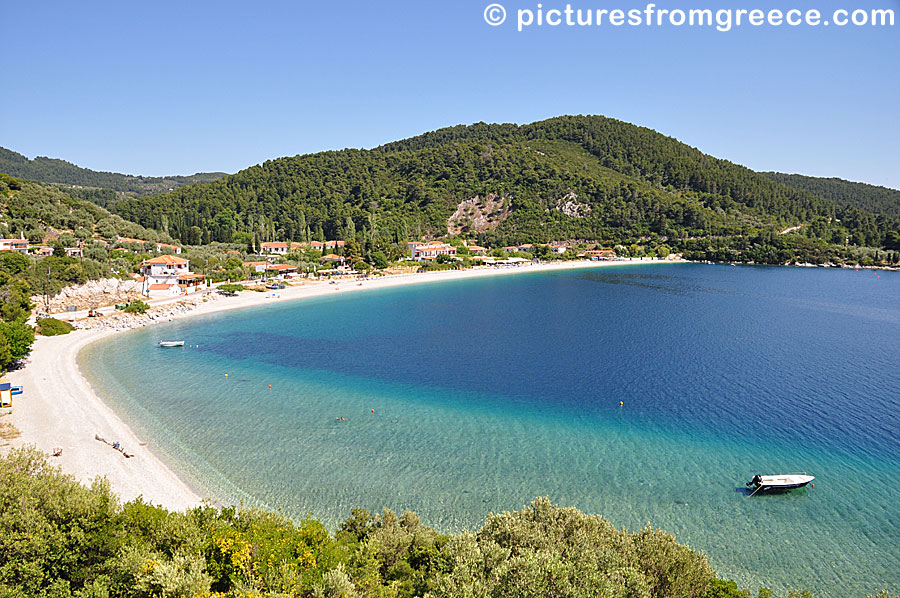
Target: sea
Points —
{"points": [[648, 394]]}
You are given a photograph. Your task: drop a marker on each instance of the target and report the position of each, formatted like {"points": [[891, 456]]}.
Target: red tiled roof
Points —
{"points": [[159, 287], [165, 259], [281, 268]]}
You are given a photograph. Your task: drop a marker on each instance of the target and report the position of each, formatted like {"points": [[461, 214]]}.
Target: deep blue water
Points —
{"points": [[492, 391]]}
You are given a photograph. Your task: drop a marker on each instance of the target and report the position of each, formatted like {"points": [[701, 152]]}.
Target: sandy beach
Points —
{"points": [[59, 408]]}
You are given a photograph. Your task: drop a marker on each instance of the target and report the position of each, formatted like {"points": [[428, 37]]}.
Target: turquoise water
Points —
{"points": [[492, 391]]}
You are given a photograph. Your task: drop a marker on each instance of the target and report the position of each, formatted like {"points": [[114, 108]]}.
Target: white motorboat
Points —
{"points": [[167, 344], [779, 483]]}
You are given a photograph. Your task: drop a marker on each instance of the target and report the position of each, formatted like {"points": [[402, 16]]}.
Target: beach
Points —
{"points": [[60, 410]]}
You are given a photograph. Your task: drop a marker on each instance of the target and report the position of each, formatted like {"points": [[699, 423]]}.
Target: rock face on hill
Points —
{"points": [[571, 207], [479, 215], [92, 294]]}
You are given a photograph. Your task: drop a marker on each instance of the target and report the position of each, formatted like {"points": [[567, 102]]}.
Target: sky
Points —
{"points": [[160, 88]]}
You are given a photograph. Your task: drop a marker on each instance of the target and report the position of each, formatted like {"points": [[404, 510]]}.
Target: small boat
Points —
{"points": [[779, 483], [166, 344], [16, 390]]}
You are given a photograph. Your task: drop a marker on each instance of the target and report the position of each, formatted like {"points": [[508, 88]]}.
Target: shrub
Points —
{"points": [[136, 307], [231, 288], [53, 327]]}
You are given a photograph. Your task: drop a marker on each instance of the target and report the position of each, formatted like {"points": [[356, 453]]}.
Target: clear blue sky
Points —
{"points": [[178, 87]]}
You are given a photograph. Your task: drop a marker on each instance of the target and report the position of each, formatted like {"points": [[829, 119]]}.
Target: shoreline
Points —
{"points": [[61, 409]]}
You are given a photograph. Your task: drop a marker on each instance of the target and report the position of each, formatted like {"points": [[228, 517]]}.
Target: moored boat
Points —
{"points": [[166, 344], [779, 483]]}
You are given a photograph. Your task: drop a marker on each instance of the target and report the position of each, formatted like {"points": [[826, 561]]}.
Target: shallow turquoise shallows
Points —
{"points": [[490, 392]]}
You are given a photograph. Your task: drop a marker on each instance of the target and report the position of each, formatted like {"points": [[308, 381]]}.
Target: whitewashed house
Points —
{"points": [[169, 276]]}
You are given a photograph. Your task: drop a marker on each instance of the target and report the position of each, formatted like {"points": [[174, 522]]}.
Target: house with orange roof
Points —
{"points": [[169, 276], [74, 252], [600, 255], [430, 251], [40, 250], [160, 247], [476, 249], [276, 247], [130, 241], [332, 259], [20, 245], [256, 267], [280, 269], [560, 249]]}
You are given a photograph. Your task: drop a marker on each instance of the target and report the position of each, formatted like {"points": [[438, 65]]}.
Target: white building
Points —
{"points": [[20, 245], [169, 276], [279, 248], [429, 251]]}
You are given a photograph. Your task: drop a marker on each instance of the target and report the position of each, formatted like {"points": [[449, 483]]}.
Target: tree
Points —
{"points": [[379, 260], [18, 338]]}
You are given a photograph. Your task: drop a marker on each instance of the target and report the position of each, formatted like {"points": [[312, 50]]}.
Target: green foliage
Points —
{"points": [[53, 327], [34, 208], [136, 307], [231, 288], [627, 184], [846, 194], [16, 339], [60, 538], [380, 260], [51, 170]]}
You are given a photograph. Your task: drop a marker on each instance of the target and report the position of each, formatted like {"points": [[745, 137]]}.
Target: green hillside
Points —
{"points": [[565, 179], [32, 210], [847, 194], [52, 170]]}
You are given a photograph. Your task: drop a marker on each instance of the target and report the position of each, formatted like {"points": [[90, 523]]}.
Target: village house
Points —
{"points": [[74, 252], [169, 276], [430, 251], [160, 247], [560, 249], [283, 248], [276, 247], [476, 249], [280, 269], [20, 245], [40, 250], [332, 259], [256, 267], [129, 241], [600, 255]]}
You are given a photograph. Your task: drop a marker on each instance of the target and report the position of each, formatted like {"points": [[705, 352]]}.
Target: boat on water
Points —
{"points": [[779, 483], [167, 344]]}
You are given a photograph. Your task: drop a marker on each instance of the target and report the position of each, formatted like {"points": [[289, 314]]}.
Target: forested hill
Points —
{"points": [[52, 170], [878, 200], [567, 178]]}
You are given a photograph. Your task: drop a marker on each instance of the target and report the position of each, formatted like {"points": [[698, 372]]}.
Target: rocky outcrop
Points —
{"points": [[478, 215], [571, 207], [122, 321], [92, 294]]}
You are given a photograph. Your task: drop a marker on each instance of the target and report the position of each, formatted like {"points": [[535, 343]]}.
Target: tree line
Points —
{"points": [[634, 183]]}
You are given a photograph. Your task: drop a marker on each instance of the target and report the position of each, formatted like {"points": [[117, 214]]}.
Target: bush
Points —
{"points": [[53, 327], [62, 539], [231, 288], [136, 307]]}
